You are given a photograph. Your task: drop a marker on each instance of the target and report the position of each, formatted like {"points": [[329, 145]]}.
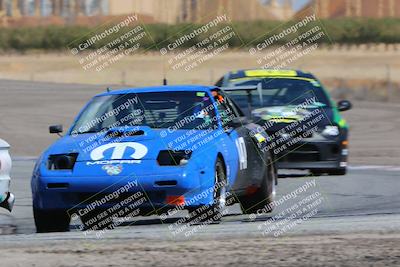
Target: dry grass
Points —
{"points": [[148, 69]]}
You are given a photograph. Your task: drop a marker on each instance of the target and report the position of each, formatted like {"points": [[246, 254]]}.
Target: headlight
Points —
{"points": [[330, 130], [62, 161], [173, 158]]}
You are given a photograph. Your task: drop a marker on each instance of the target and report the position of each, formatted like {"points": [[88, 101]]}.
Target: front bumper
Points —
{"points": [[311, 165], [6, 198], [314, 154], [8, 203], [72, 193]]}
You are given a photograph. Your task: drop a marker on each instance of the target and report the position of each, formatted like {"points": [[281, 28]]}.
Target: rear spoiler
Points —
{"points": [[247, 89]]}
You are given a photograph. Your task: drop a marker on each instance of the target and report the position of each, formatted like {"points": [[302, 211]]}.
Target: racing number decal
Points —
{"points": [[241, 147]]}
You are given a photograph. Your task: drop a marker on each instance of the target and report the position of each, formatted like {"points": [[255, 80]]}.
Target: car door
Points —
{"points": [[248, 157]]}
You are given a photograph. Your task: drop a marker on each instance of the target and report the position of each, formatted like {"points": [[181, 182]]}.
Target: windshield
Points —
{"points": [[280, 92], [180, 110]]}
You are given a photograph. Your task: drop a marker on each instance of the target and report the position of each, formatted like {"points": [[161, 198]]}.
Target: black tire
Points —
{"points": [[51, 220], [213, 213], [320, 172], [260, 201], [341, 171], [317, 172]]}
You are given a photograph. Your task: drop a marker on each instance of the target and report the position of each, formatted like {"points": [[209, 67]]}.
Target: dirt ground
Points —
{"points": [[371, 249]]}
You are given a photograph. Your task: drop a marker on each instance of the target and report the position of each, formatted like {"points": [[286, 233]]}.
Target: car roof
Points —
{"points": [[163, 88], [270, 73]]}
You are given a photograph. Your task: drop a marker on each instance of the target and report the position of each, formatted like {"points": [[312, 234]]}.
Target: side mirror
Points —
{"points": [[56, 129], [344, 105]]}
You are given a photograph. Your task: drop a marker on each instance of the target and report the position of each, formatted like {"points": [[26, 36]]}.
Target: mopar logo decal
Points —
{"points": [[119, 151], [108, 162]]}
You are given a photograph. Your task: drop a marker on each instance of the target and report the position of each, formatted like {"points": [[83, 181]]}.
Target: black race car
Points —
{"points": [[305, 128]]}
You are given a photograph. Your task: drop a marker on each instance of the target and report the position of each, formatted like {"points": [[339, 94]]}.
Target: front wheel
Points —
{"points": [[213, 212], [261, 200], [47, 221]]}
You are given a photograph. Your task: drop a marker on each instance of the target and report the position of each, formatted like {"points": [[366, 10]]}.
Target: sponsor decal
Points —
{"points": [[108, 162], [260, 138], [119, 154], [113, 169], [283, 114]]}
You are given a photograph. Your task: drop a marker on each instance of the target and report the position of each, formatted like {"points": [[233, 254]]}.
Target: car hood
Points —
{"points": [[110, 146], [280, 116]]}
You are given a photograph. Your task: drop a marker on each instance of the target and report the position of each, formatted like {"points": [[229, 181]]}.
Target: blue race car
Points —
{"points": [[143, 151]]}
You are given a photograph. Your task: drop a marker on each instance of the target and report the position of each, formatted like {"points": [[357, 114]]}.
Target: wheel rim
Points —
{"points": [[219, 193], [273, 175]]}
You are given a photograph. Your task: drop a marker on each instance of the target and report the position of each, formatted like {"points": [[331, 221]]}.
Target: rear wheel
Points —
{"points": [[260, 201], [51, 221]]}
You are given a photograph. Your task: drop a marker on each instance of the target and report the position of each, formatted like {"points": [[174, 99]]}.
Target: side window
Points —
{"points": [[232, 106], [225, 112]]}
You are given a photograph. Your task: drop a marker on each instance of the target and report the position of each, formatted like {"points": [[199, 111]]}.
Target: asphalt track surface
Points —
{"points": [[366, 199]]}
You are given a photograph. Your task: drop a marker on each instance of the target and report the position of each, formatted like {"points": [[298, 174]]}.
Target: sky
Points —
{"points": [[299, 3], [296, 3]]}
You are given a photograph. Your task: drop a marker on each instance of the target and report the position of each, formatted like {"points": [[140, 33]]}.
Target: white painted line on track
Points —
{"points": [[375, 167]]}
